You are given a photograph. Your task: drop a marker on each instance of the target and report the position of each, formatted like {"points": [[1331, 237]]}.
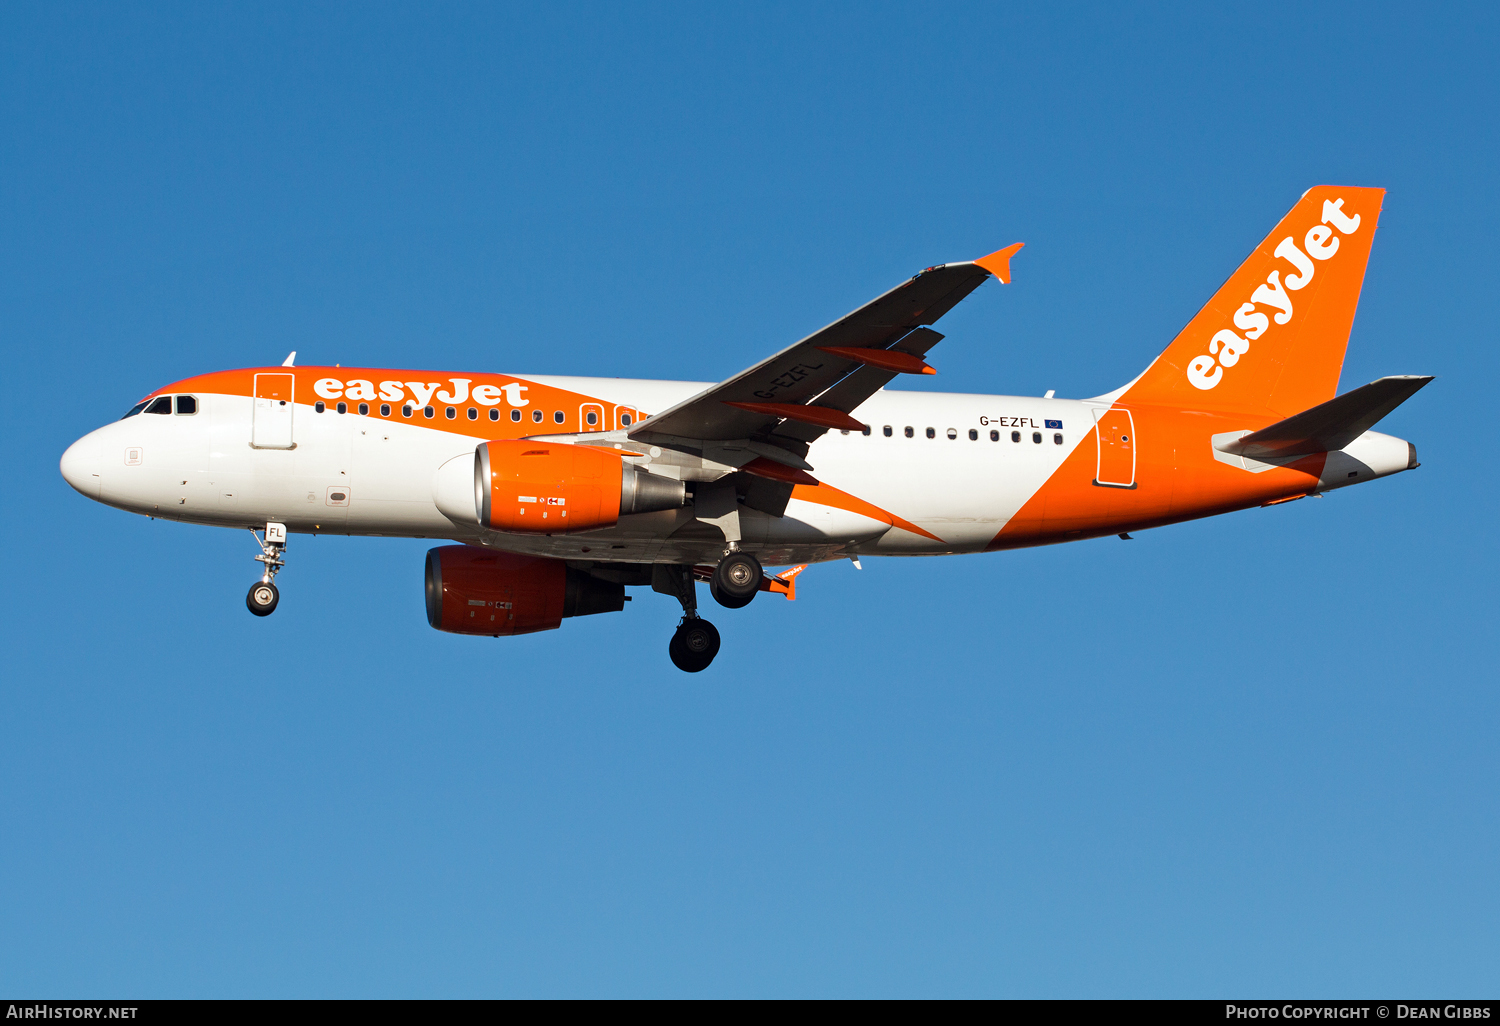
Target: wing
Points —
{"points": [[783, 403]]}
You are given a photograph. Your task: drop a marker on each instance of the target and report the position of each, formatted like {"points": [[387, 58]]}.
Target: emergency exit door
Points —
{"points": [[271, 420], [1117, 448]]}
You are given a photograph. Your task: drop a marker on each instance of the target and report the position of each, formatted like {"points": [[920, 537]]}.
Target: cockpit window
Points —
{"points": [[137, 408], [187, 405], [162, 404]]}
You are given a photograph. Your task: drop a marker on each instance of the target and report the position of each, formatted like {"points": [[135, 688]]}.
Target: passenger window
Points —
{"points": [[931, 433], [909, 431], [1036, 436], [137, 408], [427, 411], [494, 414], [364, 409], [451, 413], [994, 436], [187, 405], [1015, 436], [319, 406], [163, 404], [558, 416], [592, 418], [624, 420], [406, 410], [886, 430], [343, 407], [973, 435], [515, 414], [952, 434], [866, 431], [1057, 439], [385, 409], [473, 413], [536, 416]]}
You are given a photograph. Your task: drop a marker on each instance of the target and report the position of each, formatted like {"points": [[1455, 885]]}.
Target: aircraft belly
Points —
{"points": [[809, 523]]}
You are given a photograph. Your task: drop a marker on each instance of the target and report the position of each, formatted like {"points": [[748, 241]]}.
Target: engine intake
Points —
{"points": [[477, 591]]}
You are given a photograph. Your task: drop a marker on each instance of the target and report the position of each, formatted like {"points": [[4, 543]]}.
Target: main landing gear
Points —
{"points": [[736, 580], [696, 641], [733, 583], [694, 645], [263, 594]]}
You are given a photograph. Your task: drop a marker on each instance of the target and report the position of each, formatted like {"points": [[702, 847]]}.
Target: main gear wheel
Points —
{"points": [[736, 580], [694, 645]]}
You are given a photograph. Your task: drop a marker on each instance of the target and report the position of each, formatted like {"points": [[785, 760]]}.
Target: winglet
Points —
{"points": [[290, 360], [998, 262]]}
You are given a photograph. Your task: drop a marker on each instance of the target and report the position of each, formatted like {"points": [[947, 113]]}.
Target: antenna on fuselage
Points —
{"points": [[290, 359]]}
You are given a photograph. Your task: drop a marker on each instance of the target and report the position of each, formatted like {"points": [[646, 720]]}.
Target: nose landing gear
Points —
{"points": [[263, 595], [262, 598]]}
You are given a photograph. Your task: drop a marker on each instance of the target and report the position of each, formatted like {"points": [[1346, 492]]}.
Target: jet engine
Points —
{"points": [[477, 591], [552, 488]]}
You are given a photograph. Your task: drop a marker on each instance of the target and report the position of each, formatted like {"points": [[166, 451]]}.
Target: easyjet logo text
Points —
{"points": [[1227, 347], [458, 391]]}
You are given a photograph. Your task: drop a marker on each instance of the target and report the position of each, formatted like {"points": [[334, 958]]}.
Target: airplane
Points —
{"points": [[559, 493]]}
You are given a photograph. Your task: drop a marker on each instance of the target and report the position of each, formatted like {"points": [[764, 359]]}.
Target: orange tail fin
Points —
{"points": [[1273, 337]]}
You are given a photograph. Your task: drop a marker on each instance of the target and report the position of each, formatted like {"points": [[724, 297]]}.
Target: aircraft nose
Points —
{"points": [[82, 465]]}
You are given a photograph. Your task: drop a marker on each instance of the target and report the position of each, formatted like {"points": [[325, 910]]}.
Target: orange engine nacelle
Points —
{"points": [[556, 488], [476, 591]]}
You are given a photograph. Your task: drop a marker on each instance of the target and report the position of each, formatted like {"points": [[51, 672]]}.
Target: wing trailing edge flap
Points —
{"points": [[1327, 427]]}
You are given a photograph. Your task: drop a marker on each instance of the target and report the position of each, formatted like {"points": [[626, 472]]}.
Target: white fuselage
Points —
{"points": [[958, 466]]}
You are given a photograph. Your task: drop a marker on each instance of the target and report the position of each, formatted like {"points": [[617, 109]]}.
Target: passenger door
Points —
{"points": [[271, 421], [1117, 446]]}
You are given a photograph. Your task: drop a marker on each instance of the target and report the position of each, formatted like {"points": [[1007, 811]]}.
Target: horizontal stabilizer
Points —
{"points": [[1330, 426]]}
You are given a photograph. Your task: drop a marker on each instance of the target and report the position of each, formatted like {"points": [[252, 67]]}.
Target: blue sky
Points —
{"points": [[1253, 755]]}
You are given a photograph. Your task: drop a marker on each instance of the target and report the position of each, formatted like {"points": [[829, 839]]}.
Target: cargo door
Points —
{"points": [[1117, 446], [271, 420]]}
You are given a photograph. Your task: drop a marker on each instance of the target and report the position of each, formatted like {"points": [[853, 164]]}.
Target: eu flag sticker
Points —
{"points": [[1055, 424]]}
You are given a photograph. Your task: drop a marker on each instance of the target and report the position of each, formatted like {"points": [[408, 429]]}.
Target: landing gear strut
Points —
{"points": [[696, 641], [263, 594]]}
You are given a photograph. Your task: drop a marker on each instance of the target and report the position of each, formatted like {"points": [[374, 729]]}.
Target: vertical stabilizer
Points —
{"points": [[1273, 337]]}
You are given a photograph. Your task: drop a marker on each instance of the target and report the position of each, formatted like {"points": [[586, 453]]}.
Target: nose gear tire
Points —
{"points": [[262, 598], [736, 580], [694, 645]]}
